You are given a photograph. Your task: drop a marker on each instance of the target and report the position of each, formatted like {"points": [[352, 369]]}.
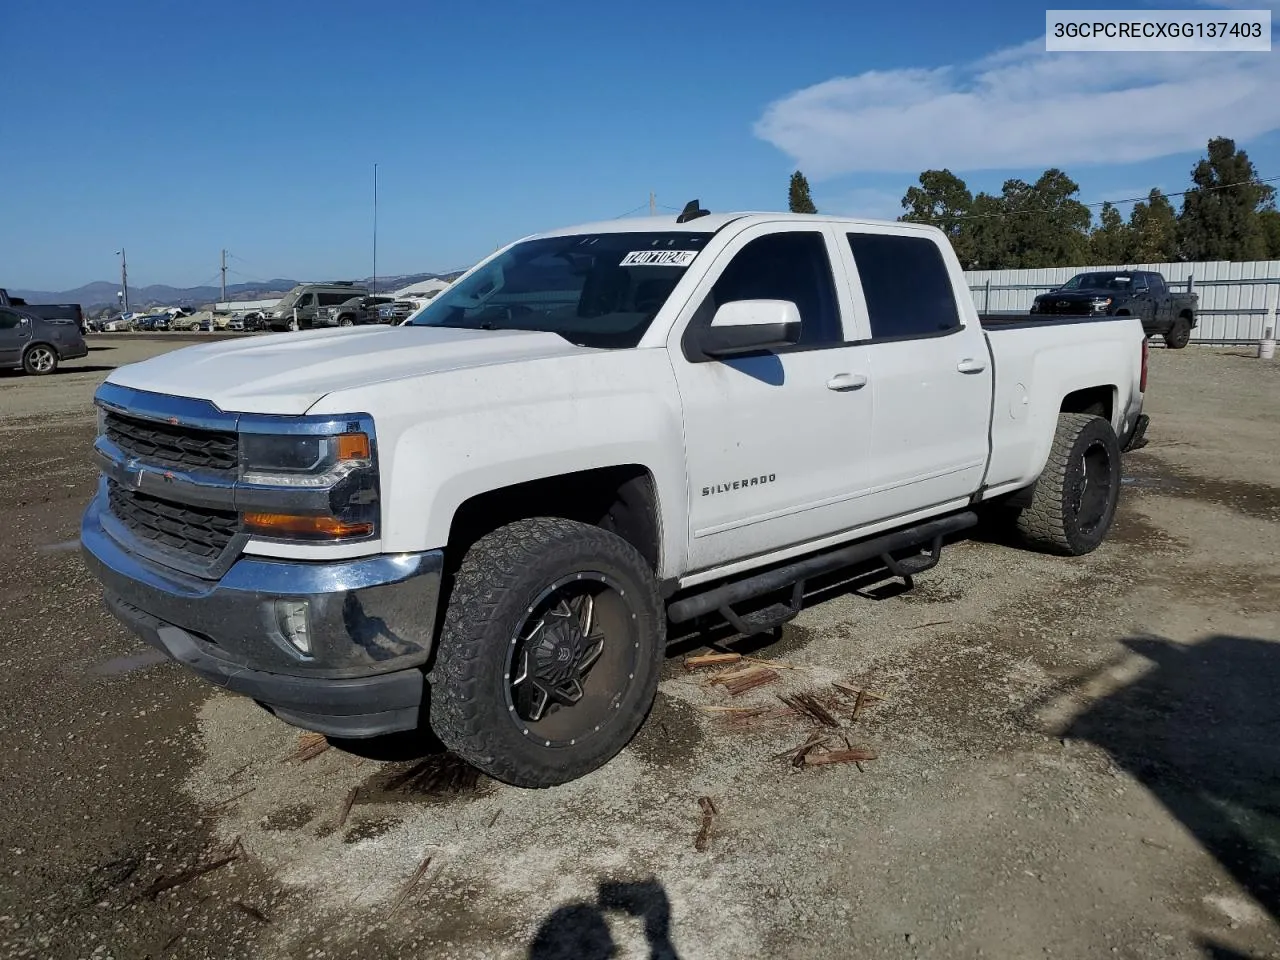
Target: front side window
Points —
{"points": [[596, 290], [906, 285], [786, 266]]}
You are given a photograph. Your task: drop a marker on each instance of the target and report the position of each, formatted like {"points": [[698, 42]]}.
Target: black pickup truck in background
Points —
{"points": [[1122, 293], [53, 312]]}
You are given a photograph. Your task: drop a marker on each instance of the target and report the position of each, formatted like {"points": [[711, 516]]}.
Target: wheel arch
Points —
{"points": [[622, 498]]}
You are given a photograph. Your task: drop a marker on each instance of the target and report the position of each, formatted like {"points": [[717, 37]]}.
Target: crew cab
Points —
{"points": [[483, 521], [1121, 293]]}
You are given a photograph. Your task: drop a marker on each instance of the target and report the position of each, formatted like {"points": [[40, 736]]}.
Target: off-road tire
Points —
{"points": [[1051, 522], [1178, 334], [493, 588], [40, 360]]}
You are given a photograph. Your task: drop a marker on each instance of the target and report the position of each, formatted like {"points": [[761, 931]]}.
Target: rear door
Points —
{"points": [[1161, 303], [930, 372], [775, 443]]}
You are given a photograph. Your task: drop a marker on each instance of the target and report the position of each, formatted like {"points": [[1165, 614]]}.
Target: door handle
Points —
{"points": [[847, 381], [969, 365]]}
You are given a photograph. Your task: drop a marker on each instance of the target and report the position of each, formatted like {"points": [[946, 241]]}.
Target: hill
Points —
{"points": [[102, 293]]}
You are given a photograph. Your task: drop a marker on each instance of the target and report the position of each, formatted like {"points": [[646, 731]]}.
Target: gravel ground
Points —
{"points": [[1077, 757]]}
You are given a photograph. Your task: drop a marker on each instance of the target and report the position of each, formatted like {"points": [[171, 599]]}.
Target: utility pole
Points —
{"points": [[653, 203], [374, 285], [224, 276], [124, 281]]}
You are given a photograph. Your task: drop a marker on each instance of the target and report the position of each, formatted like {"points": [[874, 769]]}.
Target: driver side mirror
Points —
{"points": [[751, 326]]}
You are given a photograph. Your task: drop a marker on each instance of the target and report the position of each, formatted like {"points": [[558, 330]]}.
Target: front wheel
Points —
{"points": [[40, 360], [344, 321], [1074, 501], [550, 652], [1179, 334]]}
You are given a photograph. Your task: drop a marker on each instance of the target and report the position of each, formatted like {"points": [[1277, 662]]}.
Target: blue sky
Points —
{"points": [[177, 129]]}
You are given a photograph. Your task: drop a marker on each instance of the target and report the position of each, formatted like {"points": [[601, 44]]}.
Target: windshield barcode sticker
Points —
{"points": [[659, 258]]}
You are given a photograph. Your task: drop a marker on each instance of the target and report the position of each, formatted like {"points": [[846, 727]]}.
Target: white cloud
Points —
{"points": [[869, 203], [1023, 107]]}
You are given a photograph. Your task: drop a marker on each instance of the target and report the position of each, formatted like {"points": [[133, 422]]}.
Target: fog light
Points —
{"points": [[292, 619]]}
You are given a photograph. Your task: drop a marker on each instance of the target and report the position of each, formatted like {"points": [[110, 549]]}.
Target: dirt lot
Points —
{"points": [[1077, 758]]}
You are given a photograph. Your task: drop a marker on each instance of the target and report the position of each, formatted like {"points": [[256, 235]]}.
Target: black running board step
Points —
{"points": [[908, 567], [794, 573], [767, 618]]}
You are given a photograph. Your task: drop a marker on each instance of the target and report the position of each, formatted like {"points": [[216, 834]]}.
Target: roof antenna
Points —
{"points": [[692, 211]]}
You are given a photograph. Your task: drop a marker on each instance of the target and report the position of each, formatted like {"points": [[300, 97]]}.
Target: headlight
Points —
{"points": [[325, 485]]}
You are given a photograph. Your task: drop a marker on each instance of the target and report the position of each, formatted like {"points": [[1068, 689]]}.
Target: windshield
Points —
{"points": [[1099, 281], [596, 290], [289, 299]]}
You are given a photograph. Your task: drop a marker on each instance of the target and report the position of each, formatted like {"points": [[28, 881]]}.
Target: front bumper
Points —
{"points": [[371, 624]]}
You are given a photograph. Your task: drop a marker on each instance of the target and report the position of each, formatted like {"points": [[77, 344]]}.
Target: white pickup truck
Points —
{"points": [[483, 520]]}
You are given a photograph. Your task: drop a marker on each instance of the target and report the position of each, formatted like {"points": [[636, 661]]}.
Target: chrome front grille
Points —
{"points": [[202, 533], [173, 445]]}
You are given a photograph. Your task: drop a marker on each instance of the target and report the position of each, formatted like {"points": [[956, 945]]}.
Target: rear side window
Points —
{"points": [[905, 282], [786, 266]]}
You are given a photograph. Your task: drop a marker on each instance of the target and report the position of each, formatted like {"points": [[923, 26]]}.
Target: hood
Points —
{"points": [[288, 373]]}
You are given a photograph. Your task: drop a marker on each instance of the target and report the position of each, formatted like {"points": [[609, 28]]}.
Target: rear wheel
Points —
{"points": [[1179, 334], [1074, 501], [550, 652], [39, 360]]}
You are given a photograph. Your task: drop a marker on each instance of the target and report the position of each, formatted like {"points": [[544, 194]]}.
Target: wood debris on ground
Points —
{"points": [[709, 813], [711, 660], [809, 705], [310, 746], [234, 852], [251, 911], [816, 758], [408, 887], [738, 682], [347, 805]]}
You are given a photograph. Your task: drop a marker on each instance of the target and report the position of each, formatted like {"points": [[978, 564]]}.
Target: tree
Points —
{"points": [[1220, 215], [1271, 232], [943, 200], [986, 233], [1111, 242], [1153, 229], [1045, 226], [799, 199]]}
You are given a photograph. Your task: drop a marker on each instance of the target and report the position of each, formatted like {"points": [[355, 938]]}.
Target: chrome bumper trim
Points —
{"points": [[367, 616]]}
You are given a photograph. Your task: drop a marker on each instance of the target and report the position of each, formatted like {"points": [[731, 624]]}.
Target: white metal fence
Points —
{"points": [[1234, 297]]}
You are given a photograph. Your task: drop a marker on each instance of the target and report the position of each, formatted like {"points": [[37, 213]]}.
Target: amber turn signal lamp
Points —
{"points": [[352, 446], [315, 528]]}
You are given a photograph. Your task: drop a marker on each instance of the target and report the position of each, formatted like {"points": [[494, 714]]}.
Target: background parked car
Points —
{"points": [[306, 299], [1138, 293], [397, 311], [152, 322], [36, 345], [351, 312]]}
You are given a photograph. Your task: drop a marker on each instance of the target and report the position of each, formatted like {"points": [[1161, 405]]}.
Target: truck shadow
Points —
{"points": [[1201, 731], [581, 931]]}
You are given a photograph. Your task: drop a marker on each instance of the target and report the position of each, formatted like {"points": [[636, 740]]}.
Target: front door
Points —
{"points": [[775, 443]]}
